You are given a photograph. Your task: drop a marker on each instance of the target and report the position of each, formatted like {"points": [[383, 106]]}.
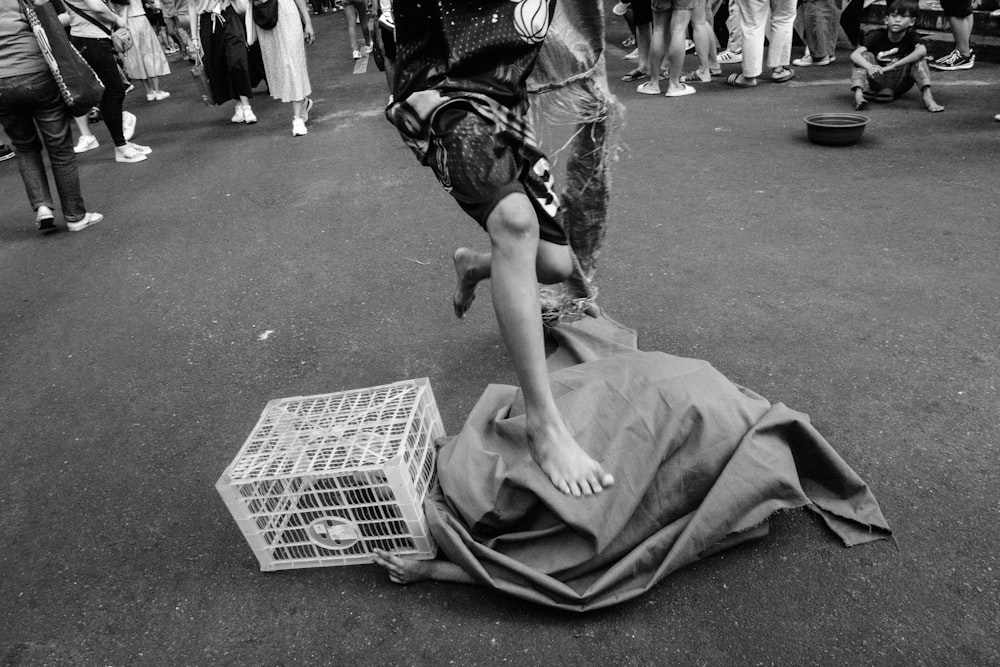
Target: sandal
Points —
{"points": [[634, 75], [884, 95], [735, 80], [694, 77], [645, 88], [781, 75]]}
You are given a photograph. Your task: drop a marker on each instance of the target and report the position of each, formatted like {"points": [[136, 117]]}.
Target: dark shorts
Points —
{"points": [[956, 8], [642, 13], [670, 5], [479, 166]]}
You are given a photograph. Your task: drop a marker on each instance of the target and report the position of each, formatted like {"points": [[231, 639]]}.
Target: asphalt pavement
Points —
{"points": [[239, 264]]}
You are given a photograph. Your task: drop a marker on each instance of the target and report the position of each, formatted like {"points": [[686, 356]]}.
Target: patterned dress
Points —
{"points": [[146, 58], [284, 52]]}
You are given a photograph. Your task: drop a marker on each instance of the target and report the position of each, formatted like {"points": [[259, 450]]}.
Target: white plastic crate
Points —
{"points": [[323, 480]]}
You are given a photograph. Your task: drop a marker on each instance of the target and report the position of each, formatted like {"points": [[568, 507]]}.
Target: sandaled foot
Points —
{"points": [[566, 465], [696, 77], [402, 570], [648, 88], [634, 75], [466, 271], [739, 81]]}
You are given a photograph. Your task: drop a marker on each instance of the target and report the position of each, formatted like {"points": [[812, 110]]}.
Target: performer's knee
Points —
{"points": [[513, 219]]}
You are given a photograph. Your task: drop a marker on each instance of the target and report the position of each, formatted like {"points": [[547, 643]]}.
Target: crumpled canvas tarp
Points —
{"points": [[699, 466]]}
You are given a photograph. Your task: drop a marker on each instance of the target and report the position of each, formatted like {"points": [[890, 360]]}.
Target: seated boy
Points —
{"points": [[460, 99], [891, 60]]}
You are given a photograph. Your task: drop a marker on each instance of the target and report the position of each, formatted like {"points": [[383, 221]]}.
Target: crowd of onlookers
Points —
{"points": [[887, 62], [232, 48], [230, 45]]}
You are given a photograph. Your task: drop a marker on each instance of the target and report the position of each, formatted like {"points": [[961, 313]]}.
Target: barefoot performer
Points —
{"points": [[460, 104]]}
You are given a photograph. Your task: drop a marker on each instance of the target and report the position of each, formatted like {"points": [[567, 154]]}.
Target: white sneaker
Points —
{"points": [[160, 95], [368, 48], [145, 150], [248, 115], [632, 55], [356, 54], [386, 20], [730, 57], [88, 220], [45, 220], [299, 128], [87, 142], [128, 154], [128, 125], [239, 116]]}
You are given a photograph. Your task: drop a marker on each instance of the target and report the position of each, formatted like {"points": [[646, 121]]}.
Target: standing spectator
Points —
{"points": [[670, 17], [777, 19], [733, 53], [145, 60], [284, 52], [221, 41], [819, 31], [642, 18], [95, 46], [959, 13], [171, 8], [33, 114], [355, 13]]}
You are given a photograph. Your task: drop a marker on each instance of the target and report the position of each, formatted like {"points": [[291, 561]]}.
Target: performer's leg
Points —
{"points": [[513, 230]]}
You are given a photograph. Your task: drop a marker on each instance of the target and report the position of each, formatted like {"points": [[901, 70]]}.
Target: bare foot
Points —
{"points": [[402, 570], [566, 465], [468, 274], [933, 106]]}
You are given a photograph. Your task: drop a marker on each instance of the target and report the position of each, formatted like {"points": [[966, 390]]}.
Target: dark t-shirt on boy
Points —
{"points": [[887, 52]]}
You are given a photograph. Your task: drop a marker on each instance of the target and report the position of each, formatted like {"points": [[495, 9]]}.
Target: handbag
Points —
{"points": [[121, 38], [265, 13], [78, 85]]}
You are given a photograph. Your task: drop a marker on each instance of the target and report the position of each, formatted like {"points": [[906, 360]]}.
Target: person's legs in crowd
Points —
{"points": [[779, 50], [960, 18], [819, 32]]}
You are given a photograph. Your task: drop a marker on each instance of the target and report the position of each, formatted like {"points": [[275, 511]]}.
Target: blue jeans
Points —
{"points": [[32, 113]]}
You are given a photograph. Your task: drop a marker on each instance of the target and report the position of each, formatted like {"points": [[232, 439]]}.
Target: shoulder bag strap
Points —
{"points": [[89, 18]]}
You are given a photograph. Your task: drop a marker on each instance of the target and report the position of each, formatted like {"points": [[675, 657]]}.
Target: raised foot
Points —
{"points": [[402, 570], [465, 271], [567, 466]]}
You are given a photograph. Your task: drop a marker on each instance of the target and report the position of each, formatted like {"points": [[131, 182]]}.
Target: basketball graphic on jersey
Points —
{"points": [[531, 20]]}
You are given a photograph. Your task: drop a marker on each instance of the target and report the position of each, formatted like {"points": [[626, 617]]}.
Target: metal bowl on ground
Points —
{"points": [[835, 129]]}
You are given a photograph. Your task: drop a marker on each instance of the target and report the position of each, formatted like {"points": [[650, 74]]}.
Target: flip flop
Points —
{"points": [[785, 76], [683, 92], [884, 96], [634, 75], [694, 77], [645, 88], [734, 80]]}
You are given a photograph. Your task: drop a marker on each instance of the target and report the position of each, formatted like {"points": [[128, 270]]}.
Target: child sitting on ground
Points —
{"points": [[891, 60]]}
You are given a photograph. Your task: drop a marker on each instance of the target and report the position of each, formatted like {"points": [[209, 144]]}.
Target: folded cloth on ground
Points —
{"points": [[699, 464]]}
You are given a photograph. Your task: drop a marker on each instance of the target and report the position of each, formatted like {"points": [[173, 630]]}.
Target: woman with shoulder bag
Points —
{"points": [[219, 40], [95, 45], [33, 113], [283, 47]]}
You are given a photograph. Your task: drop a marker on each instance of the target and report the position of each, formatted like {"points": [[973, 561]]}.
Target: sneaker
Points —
{"points": [[688, 45], [386, 20], [356, 54], [997, 118], [88, 220], [128, 154], [368, 48], [954, 61], [239, 116], [632, 55], [809, 61], [145, 150], [128, 125], [87, 142], [5, 153], [730, 57], [248, 115], [299, 128], [620, 9], [160, 95], [45, 220]]}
